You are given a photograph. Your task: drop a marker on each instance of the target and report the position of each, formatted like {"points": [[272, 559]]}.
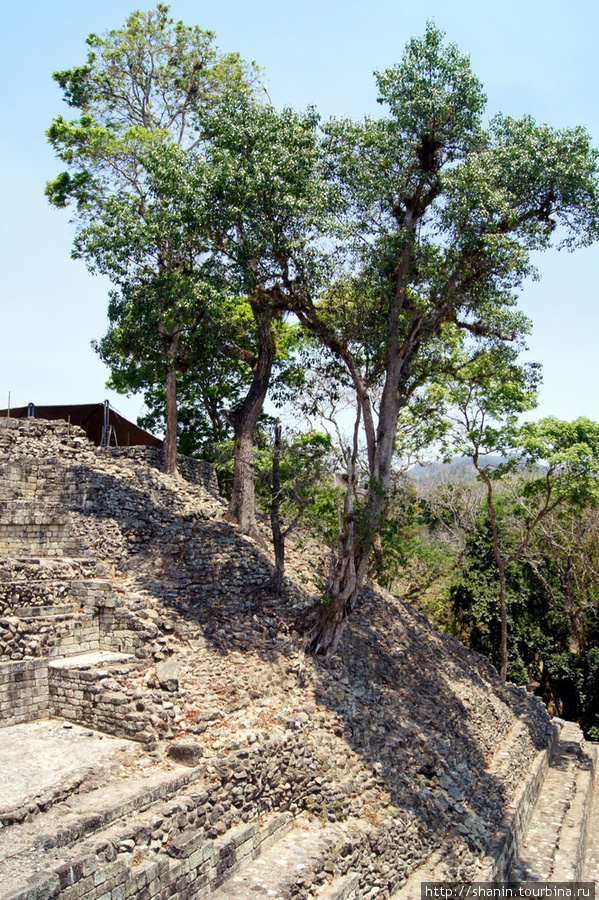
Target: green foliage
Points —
{"points": [[451, 210], [200, 422], [398, 540], [260, 177], [307, 488], [399, 244], [569, 455], [434, 97], [539, 625], [438, 215], [142, 85], [306, 484], [139, 180]]}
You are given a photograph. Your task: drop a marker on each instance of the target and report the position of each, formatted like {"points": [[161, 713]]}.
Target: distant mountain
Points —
{"points": [[459, 469]]}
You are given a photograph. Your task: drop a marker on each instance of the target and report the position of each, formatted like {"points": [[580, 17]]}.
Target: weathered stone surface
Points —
{"points": [[185, 752], [395, 738], [167, 673]]}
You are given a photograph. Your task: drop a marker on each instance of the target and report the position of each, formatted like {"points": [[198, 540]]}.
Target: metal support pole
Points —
{"points": [[106, 425]]}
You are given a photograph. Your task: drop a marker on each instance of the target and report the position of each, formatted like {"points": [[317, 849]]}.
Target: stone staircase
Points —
{"points": [[554, 847], [65, 635], [69, 644], [550, 830], [150, 842], [591, 866], [70, 649], [52, 607]]}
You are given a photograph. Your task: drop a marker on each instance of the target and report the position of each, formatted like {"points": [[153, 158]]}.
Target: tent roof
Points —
{"points": [[90, 416]]}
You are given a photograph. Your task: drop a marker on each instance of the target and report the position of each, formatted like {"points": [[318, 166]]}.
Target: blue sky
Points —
{"points": [[537, 58]]}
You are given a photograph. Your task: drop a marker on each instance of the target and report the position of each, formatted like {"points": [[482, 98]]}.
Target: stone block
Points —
{"points": [[187, 753], [186, 844], [167, 673]]}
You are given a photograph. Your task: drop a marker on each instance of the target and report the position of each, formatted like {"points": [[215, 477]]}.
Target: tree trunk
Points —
{"points": [[346, 580], [242, 508], [170, 441], [577, 642], [278, 537], [500, 565], [349, 565], [278, 575], [503, 614]]}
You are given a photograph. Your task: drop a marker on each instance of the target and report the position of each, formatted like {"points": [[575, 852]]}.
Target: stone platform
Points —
{"points": [[38, 757]]}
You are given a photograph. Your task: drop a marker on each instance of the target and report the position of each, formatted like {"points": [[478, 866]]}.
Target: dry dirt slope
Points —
{"points": [[405, 736]]}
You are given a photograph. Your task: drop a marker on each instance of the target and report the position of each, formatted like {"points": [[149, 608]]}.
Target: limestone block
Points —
{"points": [[167, 673]]}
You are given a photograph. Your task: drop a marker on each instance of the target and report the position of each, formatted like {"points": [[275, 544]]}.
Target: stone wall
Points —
{"points": [[30, 597], [234, 807], [73, 691], [508, 840], [37, 480], [191, 865], [28, 527], [196, 471], [122, 632], [35, 496], [83, 694], [48, 636], [24, 693]]}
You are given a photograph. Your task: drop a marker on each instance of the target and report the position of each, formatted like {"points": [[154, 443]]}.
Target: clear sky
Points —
{"points": [[537, 57]]}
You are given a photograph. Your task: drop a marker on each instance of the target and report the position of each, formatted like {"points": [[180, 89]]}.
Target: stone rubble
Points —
{"points": [[398, 732]]}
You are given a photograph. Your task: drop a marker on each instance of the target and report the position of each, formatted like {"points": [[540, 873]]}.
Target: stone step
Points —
{"points": [[343, 888], [28, 573], [295, 861], [553, 848], [30, 823], [78, 692], [38, 528], [125, 862], [56, 611], [103, 837], [16, 597], [91, 689], [90, 660], [44, 763], [49, 636], [515, 815]]}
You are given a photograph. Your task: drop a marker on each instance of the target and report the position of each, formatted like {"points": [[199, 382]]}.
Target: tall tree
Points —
{"points": [[142, 88], [440, 217], [264, 199]]}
